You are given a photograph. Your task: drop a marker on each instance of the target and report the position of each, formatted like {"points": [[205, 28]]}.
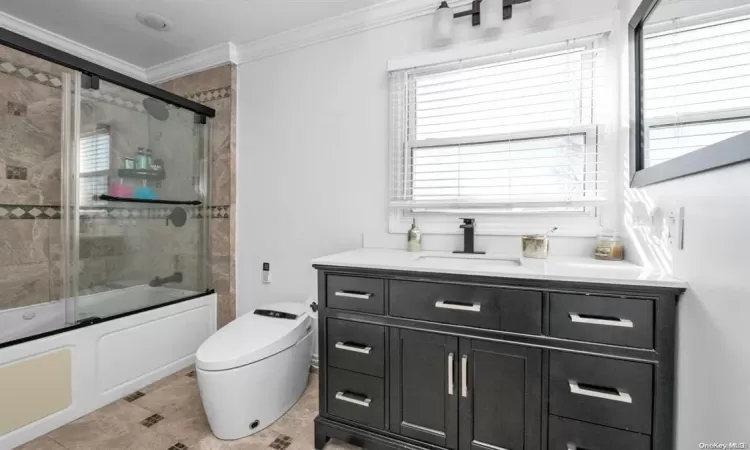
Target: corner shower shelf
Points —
{"points": [[111, 198], [141, 174]]}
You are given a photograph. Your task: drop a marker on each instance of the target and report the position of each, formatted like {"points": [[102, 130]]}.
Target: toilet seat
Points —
{"points": [[252, 338]]}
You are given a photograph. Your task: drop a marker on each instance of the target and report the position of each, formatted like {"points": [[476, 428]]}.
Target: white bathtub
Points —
{"points": [[86, 368], [19, 323]]}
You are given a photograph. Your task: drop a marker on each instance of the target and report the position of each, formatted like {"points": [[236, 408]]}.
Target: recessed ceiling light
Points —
{"points": [[154, 21]]}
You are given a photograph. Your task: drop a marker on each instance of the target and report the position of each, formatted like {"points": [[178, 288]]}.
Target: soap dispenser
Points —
{"points": [[414, 238]]}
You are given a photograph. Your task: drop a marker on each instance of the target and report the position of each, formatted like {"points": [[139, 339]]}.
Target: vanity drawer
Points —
{"points": [[609, 320], [356, 397], [482, 307], [567, 434], [600, 390], [355, 293], [355, 346]]}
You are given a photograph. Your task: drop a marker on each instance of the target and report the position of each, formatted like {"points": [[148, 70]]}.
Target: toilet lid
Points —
{"points": [[251, 338]]}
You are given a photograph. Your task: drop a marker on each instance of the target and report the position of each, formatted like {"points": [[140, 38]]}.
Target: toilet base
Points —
{"points": [[245, 400]]}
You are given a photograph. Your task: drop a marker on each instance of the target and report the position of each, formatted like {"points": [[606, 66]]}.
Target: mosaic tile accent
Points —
{"points": [[213, 94], [178, 446], [26, 73], [111, 99], [190, 374], [134, 396], [42, 212], [152, 420], [11, 212], [220, 212], [17, 109], [16, 173], [281, 442]]}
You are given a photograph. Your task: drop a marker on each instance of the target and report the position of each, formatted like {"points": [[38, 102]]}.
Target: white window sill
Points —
{"points": [[570, 225]]}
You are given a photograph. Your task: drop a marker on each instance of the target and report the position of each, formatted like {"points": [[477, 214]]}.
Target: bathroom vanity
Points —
{"points": [[430, 351]]}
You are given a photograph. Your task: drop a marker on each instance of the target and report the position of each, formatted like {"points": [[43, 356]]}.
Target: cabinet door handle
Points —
{"points": [[600, 320], [575, 447], [359, 295], [464, 376], [354, 348], [344, 398], [450, 373], [475, 307], [620, 396]]}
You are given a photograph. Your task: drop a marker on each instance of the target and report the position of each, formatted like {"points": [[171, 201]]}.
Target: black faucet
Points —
{"points": [[468, 226], [174, 278]]}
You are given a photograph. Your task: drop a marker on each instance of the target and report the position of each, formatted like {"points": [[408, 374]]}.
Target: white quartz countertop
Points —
{"points": [[555, 268]]}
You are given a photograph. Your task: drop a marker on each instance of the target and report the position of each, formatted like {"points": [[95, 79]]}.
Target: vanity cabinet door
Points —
{"points": [[500, 396], [424, 386]]}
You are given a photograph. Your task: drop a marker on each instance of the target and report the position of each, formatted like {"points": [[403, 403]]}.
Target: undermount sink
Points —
{"points": [[468, 261]]}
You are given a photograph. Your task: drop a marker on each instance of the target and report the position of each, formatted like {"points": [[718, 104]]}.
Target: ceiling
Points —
{"points": [[110, 26]]}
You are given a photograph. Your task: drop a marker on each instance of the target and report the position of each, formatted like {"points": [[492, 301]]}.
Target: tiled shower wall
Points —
{"points": [[216, 88], [30, 123]]}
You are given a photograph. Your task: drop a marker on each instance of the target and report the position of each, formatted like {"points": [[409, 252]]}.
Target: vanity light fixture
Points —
{"points": [[495, 12]]}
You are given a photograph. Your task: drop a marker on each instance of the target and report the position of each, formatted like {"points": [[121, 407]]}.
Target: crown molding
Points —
{"points": [[195, 62], [368, 18], [47, 37]]}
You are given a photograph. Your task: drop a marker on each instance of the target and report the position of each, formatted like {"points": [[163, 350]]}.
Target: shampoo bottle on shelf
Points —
{"points": [[141, 160]]}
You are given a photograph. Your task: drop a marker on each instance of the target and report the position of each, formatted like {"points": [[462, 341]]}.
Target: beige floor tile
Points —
{"points": [[187, 427], [93, 430], [42, 443], [258, 441], [176, 378], [138, 438], [173, 399]]}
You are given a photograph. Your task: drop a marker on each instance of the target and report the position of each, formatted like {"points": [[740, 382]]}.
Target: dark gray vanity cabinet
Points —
{"points": [[434, 361]]}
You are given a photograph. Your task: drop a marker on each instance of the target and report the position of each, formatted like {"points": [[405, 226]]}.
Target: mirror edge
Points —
{"points": [[715, 156]]}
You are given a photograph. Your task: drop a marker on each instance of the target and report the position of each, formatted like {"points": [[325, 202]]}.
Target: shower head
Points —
{"points": [[156, 108]]}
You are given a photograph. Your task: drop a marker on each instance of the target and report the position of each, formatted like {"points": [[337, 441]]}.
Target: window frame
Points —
{"points": [[101, 129], [583, 223], [722, 154]]}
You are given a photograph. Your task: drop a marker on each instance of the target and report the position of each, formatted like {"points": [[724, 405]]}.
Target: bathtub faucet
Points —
{"points": [[174, 278]]}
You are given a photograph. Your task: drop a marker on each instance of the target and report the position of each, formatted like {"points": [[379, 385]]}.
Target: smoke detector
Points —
{"points": [[154, 21]]}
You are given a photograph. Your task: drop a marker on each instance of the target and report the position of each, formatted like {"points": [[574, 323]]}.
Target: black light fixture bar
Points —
{"points": [[474, 12], [96, 72]]}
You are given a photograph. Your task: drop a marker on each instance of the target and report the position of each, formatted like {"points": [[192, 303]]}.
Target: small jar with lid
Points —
{"points": [[609, 246]]}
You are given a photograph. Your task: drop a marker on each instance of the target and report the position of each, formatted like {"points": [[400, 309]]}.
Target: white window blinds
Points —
{"points": [[696, 83], [94, 165], [518, 130]]}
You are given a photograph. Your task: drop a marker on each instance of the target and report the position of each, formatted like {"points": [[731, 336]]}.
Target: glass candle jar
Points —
{"points": [[609, 246]]}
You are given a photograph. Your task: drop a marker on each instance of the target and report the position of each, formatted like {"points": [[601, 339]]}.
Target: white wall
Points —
{"points": [[713, 368], [313, 153]]}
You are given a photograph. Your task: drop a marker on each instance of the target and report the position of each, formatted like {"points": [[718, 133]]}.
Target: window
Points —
{"points": [[515, 134], [696, 85], [94, 165]]}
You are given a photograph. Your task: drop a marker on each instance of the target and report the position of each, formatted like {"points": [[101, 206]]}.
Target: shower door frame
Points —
{"points": [[88, 74]]}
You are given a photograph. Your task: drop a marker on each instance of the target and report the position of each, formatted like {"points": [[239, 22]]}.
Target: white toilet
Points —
{"points": [[254, 369]]}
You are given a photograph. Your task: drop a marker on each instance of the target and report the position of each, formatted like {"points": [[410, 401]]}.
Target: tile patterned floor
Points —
{"points": [[168, 415]]}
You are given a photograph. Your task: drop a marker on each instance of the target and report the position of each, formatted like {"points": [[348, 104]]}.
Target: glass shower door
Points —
{"points": [[137, 194]]}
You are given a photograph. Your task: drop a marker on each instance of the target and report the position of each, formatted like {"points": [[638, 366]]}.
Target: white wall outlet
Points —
{"points": [[266, 273]]}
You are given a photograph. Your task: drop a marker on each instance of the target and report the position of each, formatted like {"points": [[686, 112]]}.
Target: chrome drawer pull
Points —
{"points": [[450, 373], [342, 396], [464, 376], [359, 295], [613, 322], [476, 307], [621, 396], [351, 348]]}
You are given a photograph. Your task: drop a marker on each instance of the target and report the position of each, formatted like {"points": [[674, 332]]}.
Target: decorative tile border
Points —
{"points": [[26, 73], [213, 94], [46, 212], [41, 212]]}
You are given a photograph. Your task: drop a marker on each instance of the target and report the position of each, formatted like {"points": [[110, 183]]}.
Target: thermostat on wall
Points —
{"points": [[266, 274]]}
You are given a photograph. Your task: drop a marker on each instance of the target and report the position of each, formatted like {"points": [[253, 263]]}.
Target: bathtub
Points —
{"points": [[63, 376]]}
